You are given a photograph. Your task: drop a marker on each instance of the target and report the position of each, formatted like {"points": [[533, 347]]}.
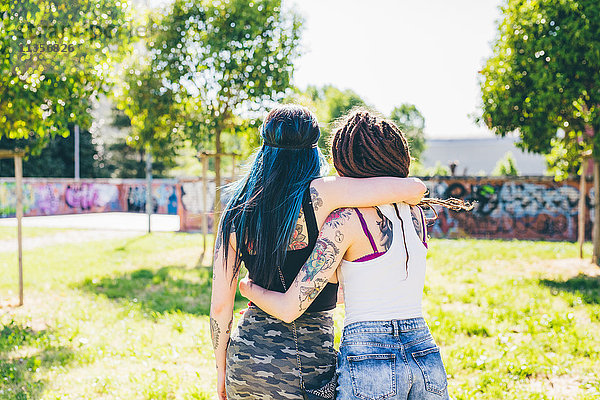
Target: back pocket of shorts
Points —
{"points": [[434, 374], [373, 376]]}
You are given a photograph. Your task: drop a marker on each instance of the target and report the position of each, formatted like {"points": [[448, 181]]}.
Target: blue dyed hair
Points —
{"points": [[264, 208]]}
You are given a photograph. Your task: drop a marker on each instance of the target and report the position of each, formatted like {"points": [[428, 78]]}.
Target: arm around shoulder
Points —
{"points": [[332, 192]]}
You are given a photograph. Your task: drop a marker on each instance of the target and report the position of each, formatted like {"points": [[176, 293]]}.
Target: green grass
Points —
{"points": [[128, 319], [10, 232]]}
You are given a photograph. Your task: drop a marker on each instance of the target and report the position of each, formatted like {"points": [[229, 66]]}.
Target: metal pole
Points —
{"points": [[76, 151], [149, 186], [205, 209], [19, 184]]}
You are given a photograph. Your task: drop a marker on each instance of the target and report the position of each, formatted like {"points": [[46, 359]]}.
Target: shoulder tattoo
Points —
{"points": [[316, 200]]}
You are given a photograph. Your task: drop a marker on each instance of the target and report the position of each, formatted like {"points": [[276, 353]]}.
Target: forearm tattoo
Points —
{"points": [[308, 293], [321, 259], [315, 199], [215, 331], [387, 233], [228, 331]]}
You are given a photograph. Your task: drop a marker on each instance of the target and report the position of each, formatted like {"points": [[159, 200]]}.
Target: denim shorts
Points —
{"points": [[390, 360]]}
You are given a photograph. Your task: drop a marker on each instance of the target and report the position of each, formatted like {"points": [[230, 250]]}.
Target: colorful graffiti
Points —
{"points": [[67, 196], [507, 208], [520, 208]]}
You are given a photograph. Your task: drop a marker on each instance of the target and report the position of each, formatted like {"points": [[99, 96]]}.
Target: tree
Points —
{"points": [[55, 58], [153, 113], [122, 160], [226, 58], [564, 158], [56, 160], [410, 120], [506, 166], [329, 103], [544, 78]]}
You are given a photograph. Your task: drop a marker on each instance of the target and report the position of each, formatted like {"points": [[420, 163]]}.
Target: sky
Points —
{"points": [[425, 52], [390, 52]]}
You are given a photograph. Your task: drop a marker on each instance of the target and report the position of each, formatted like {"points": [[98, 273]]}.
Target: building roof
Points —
{"points": [[480, 155]]}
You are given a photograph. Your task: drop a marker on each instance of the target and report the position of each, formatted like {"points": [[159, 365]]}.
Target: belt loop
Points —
{"points": [[395, 328]]}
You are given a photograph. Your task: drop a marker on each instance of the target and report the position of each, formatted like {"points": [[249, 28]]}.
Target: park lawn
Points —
{"points": [[128, 319]]}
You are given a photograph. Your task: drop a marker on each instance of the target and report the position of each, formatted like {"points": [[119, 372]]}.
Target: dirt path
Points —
{"points": [[66, 236]]}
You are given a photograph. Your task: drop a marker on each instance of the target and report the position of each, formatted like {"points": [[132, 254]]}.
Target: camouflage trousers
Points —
{"points": [[261, 357]]}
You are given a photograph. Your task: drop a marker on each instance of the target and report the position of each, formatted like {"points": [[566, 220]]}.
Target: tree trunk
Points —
{"points": [[217, 211], [596, 231]]}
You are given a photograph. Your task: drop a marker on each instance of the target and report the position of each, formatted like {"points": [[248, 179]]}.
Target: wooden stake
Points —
{"points": [[19, 184], [596, 231], [205, 209], [149, 186], [233, 160], [581, 216]]}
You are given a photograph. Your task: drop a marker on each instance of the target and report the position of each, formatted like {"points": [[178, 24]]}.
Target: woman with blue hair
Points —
{"points": [[271, 224]]}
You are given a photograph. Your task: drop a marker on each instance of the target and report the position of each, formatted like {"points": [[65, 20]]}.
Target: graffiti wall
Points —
{"points": [[507, 208], [193, 208], [67, 196], [518, 208]]}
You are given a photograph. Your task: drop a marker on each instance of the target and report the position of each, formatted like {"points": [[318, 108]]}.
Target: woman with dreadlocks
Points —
{"points": [[387, 351], [271, 225]]}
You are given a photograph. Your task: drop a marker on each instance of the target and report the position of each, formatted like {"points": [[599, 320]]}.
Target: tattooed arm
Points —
{"points": [[314, 274], [221, 308], [334, 192]]}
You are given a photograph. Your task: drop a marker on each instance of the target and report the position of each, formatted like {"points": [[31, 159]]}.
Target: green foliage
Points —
{"points": [[152, 113], [329, 104], [43, 93], [410, 120], [417, 169], [223, 59], [564, 159], [544, 75], [56, 160], [152, 109], [506, 166]]}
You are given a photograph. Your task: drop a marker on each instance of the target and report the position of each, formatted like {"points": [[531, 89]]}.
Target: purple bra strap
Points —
{"points": [[365, 229]]}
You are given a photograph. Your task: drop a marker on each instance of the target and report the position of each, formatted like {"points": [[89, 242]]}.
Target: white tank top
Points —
{"points": [[380, 289]]}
